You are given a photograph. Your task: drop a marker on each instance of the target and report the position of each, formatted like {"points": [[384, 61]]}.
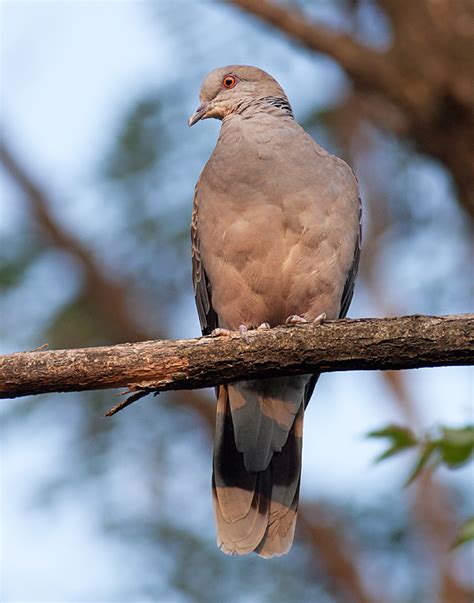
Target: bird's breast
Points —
{"points": [[270, 229], [260, 261]]}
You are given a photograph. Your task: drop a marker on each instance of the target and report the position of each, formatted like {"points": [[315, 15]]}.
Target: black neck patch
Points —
{"points": [[281, 103]]}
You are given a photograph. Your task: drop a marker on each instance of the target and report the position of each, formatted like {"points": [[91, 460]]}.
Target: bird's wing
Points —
{"points": [[351, 277], [346, 299], [202, 287]]}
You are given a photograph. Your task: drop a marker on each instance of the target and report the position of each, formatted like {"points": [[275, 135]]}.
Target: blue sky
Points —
{"points": [[65, 68]]}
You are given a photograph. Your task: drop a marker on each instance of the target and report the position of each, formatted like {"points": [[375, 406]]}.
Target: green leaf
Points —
{"points": [[466, 533], [400, 438], [427, 451], [456, 446]]}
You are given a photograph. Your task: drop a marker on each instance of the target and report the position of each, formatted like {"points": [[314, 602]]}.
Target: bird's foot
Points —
{"points": [[320, 319], [221, 332], [243, 330], [264, 326], [295, 319]]}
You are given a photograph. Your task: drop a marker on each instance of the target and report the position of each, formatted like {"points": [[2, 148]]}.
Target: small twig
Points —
{"points": [[130, 400], [41, 347]]}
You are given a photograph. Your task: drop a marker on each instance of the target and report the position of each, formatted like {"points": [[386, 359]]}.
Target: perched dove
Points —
{"points": [[276, 233]]}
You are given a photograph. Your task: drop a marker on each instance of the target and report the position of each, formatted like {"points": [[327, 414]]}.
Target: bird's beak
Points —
{"points": [[198, 114]]}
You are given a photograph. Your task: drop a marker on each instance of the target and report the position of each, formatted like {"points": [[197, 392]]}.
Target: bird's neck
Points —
{"points": [[282, 104], [273, 105]]}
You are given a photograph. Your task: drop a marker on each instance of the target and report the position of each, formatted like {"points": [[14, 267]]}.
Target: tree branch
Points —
{"points": [[425, 74], [367, 67], [108, 297], [364, 344]]}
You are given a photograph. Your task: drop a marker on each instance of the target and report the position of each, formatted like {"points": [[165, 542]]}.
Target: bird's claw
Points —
{"points": [[243, 330], [294, 319], [221, 332], [320, 319]]}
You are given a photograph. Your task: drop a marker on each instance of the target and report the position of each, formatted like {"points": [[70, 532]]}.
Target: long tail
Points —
{"points": [[257, 465]]}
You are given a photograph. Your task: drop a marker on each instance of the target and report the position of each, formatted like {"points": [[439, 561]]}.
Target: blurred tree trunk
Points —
{"points": [[421, 87]]}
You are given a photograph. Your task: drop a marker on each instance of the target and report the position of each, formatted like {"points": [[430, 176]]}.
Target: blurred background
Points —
{"points": [[97, 187]]}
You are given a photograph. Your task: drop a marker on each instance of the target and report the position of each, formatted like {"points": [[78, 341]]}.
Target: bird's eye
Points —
{"points": [[229, 81]]}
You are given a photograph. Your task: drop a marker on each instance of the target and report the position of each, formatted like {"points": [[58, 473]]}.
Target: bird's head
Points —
{"points": [[227, 89]]}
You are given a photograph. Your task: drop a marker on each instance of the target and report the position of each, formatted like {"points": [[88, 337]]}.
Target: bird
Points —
{"points": [[276, 239]]}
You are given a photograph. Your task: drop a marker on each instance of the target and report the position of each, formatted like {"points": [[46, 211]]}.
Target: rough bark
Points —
{"points": [[364, 344]]}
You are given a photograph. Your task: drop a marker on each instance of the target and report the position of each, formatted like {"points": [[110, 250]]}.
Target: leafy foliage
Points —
{"points": [[401, 438], [452, 447]]}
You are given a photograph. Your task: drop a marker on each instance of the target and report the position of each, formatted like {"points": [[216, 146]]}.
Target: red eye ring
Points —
{"points": [[229, 81]]}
